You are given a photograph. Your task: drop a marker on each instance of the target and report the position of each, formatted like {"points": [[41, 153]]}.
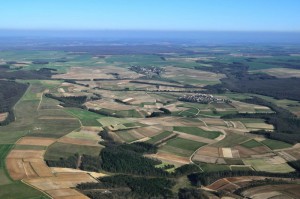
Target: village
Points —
{"points": [[202, 98]]}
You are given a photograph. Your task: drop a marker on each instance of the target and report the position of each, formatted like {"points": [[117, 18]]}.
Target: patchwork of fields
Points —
{"points": [[129, 107]]}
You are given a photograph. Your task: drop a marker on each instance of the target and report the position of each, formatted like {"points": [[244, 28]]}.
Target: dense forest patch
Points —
{"points": [[10, 93]]}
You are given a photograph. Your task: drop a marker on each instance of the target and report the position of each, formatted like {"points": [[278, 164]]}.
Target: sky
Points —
{"points": [[178, 15]]}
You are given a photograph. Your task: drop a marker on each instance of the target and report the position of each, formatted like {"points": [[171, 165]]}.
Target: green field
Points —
{"points": [[185, 144], [123, 113], [108, 121], [126, 136], [134, 124], [87, 118], [82, 135], [251, 144], [53, 128], [18, 190], [187, 113], [4, 150], [274, 144], [58, 150], [29, 147], [197, 131], [213, 167], [159, 137], [264, 165], [241, 168], [231, 140]]}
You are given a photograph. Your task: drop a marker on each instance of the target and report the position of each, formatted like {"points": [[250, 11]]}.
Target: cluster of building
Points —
{"points": [[202, 98], [149, 71]]}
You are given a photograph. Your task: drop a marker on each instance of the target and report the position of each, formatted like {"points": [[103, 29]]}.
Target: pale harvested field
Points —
{"points": [[70, 170], [294, 153], [20, 154], [194, 137], [35, 141], [60, 181], [69, 140], [204, 158], [61, 90], [148, 131], [259, 126], [97, 73], [109, 104], [191, 73], [282, 72], [227, 153], [66, 194], [238, 124], [170, 158], [214, 122], [208, 151], [3, 116]]}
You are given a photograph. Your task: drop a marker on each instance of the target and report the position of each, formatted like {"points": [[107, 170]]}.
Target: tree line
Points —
{"points": [[287, 125]]}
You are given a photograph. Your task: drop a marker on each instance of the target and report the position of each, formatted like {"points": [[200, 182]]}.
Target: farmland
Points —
{"points": [[93, 114]]}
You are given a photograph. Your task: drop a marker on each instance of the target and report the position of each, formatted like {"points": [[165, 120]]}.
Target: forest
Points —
{"points": [[72, 101], [239, 80], [206, 178], [10, 93]]}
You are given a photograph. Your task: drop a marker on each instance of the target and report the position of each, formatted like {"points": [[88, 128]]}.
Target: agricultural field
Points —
{"points": [[198, 132], [64, 150], [93, 104], [181, 147]]}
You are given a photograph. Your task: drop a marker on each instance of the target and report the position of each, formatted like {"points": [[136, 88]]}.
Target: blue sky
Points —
{"points": [[216, 15]]}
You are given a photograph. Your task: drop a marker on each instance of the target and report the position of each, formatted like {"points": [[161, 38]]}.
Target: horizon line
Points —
{"points": [[146, 30]]}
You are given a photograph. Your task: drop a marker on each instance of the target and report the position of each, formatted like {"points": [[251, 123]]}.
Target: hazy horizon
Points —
{"points": [[138, 36], [194, 15]]}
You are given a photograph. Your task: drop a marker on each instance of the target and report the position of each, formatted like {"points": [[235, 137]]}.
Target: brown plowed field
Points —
{"points": [[84, 142], [30, 173], [60, 181], [3, 116], [245, 152], [41, 169], [204, 158], [16, 168], [66, 193], [171, 158], [36, 141], [21, 154], [208, 151]]}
